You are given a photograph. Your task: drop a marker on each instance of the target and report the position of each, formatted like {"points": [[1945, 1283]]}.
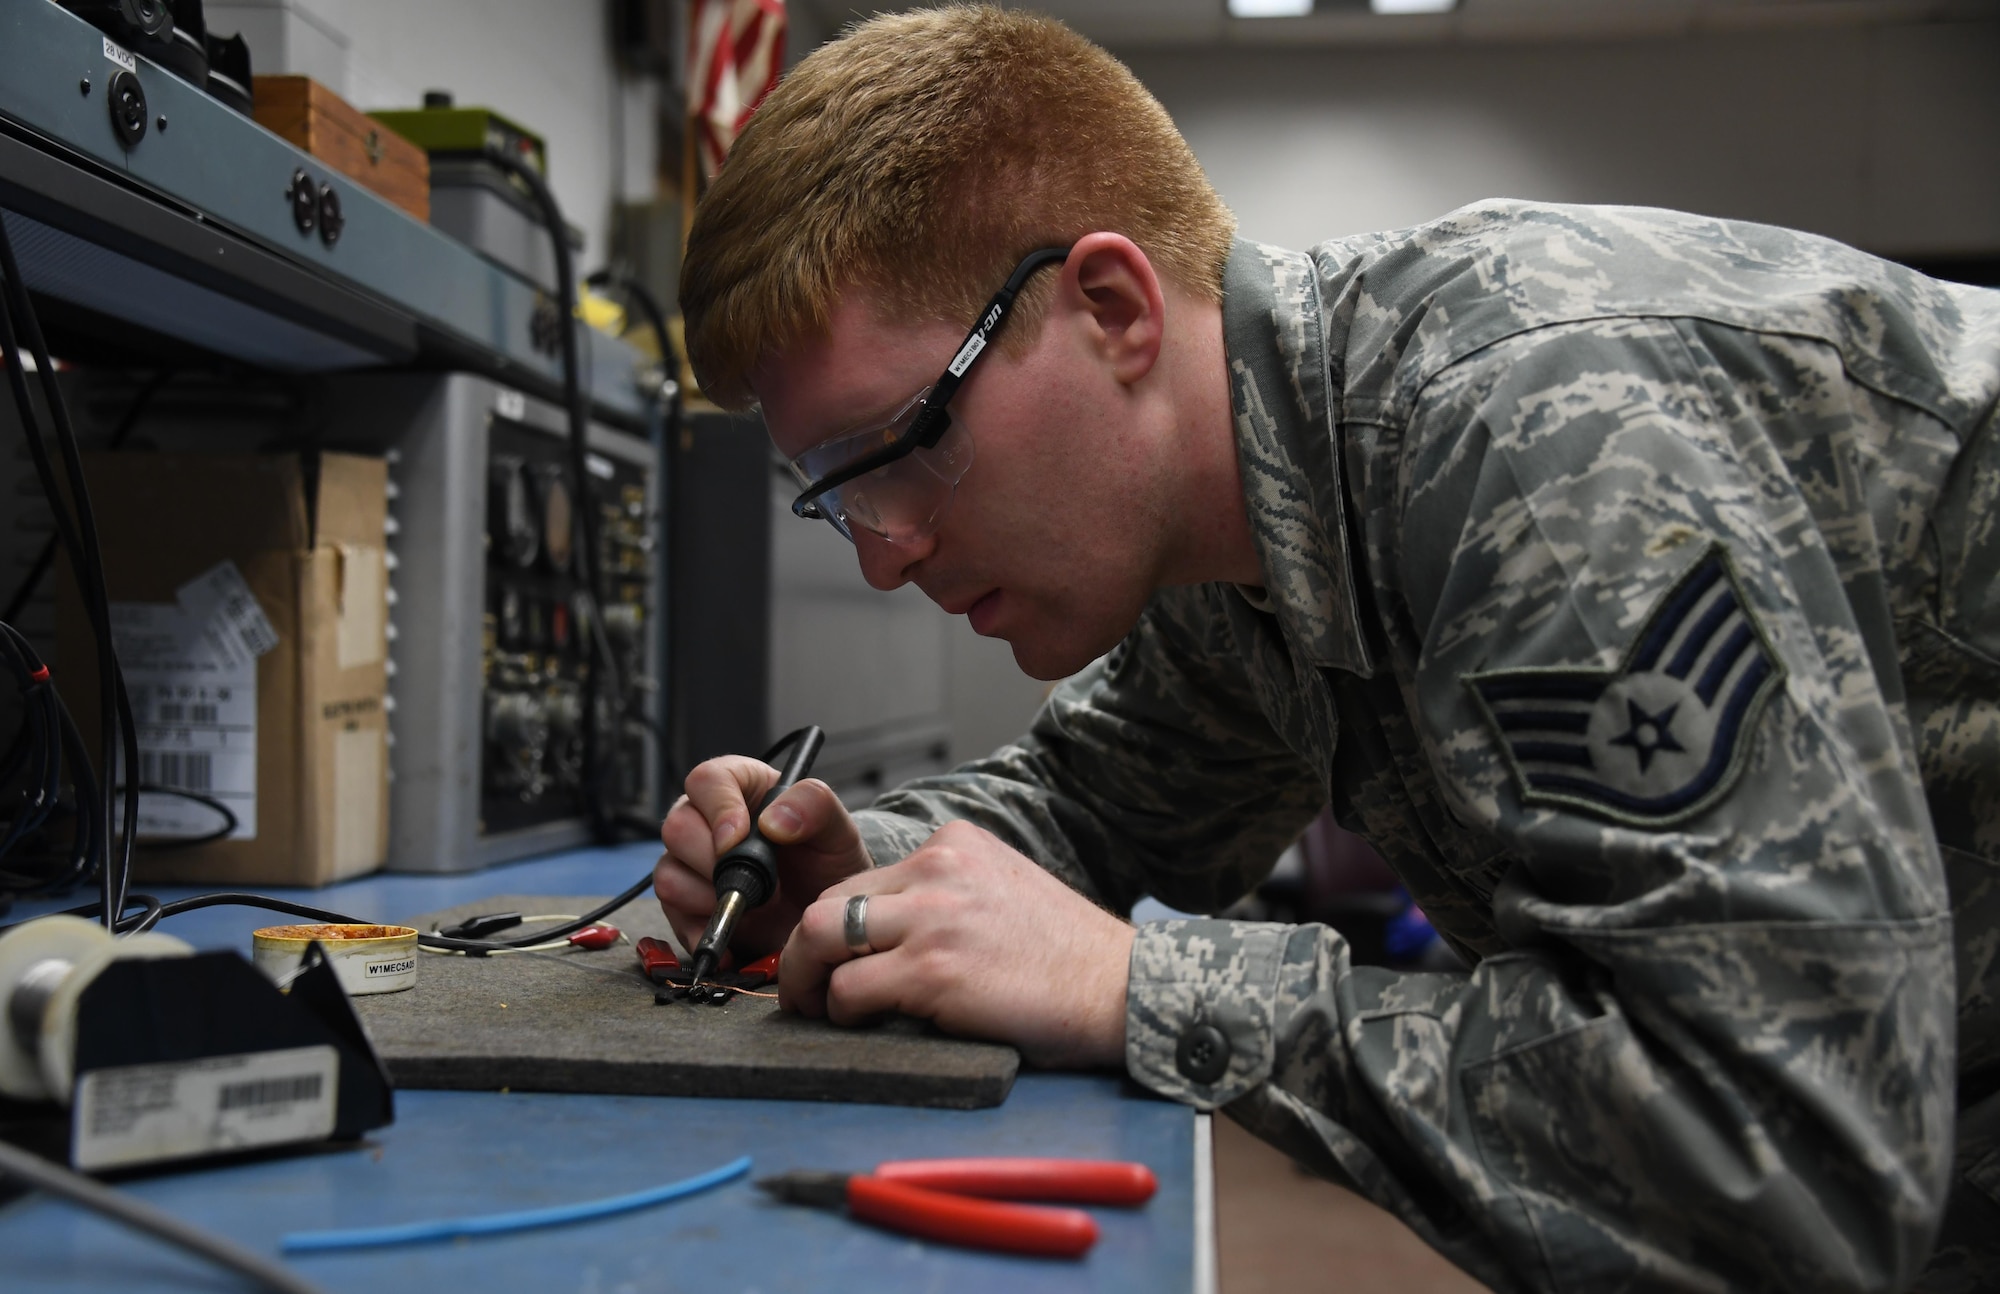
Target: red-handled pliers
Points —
{"points": [[934, 1199]]}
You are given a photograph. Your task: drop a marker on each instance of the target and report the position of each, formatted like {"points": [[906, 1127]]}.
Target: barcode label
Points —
{"points": [[220, 604], [270, 1091], [142, 1114], [182, 770], [197, 717], [200, 712]]}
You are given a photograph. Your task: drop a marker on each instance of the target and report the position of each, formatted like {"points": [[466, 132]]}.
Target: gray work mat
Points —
{"points": [[586, 1022]]}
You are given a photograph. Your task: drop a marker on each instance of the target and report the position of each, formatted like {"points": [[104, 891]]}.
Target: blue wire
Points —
{"points": [[496, 1223]]}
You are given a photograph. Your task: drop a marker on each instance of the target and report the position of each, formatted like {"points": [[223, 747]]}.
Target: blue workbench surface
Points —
{"points": [[456, 1153]]}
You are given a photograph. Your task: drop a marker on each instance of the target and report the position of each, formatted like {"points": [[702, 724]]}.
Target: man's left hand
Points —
{"points": [[974, 936]]}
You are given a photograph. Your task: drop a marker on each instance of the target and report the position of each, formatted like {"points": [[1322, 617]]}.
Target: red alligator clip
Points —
{"points": [[760, 972], [656, 958], [594, 938]]}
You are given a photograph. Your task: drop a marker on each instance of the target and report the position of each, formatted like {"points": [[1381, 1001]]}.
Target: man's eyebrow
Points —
{"points": [[877, 415]]}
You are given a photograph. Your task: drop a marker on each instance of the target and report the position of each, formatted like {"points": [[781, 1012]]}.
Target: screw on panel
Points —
{"points": [[84, 86]]}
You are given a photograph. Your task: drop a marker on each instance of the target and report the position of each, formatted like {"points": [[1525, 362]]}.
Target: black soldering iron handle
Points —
{"points": [[752, 866], [747, 876]]}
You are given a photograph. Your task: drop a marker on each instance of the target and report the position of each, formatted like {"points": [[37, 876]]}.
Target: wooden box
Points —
{"points": [[316, 119]]}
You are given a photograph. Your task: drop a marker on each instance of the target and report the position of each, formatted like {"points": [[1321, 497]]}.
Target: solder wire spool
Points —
{"points": [[45, 966]]}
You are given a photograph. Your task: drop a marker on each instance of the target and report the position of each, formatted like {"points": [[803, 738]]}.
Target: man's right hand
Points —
{"points": [[817, 843]]}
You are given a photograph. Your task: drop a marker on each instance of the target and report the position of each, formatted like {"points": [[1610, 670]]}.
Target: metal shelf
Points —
{"points": [[185, 239]]}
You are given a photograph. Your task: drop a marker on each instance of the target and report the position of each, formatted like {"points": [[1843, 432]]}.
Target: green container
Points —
{"points": [[446, 131]]}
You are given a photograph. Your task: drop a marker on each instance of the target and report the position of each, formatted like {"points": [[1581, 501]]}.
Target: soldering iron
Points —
{"points": [[747, 876]]}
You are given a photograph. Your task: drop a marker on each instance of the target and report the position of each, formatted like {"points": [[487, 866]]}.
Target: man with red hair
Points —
{"points": [[1626, 577]]}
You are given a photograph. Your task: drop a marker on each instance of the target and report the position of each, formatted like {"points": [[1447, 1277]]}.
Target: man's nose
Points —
{"points": [[886, 563]]}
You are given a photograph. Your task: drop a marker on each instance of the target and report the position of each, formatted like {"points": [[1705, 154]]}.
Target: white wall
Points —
{"points": [[544, 63], [1886, 137]]}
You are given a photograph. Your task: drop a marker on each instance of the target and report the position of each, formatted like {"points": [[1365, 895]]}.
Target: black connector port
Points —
{"points": [[128, 108]]}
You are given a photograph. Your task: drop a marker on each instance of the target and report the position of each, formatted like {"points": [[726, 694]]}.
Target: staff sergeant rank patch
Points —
{"points": [[1661, 737]]}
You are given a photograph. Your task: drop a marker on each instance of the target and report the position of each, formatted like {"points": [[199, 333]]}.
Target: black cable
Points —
{"points": [[649, 305], [87, 848], [39, 742], [120, 1207], [623, 280], [116, 721], [588, 574], [95, 809], [796, 741], [149, 914], [83, 852], [47, 557], [223, 832]]}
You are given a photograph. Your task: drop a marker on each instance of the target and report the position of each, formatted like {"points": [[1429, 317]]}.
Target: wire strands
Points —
{"points": [[122, 1208], [493, 1224]]}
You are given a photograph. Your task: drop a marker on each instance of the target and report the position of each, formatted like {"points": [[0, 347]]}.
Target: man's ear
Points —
{"points": [[1111, 287]]}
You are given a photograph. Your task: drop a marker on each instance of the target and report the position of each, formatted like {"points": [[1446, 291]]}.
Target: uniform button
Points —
{"points": [[1203, 1054]]}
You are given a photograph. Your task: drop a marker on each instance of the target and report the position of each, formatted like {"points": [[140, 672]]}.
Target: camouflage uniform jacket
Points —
{"points": [[1630, 584]]}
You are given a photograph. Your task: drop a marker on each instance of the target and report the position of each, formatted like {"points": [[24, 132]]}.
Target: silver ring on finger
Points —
{"points": [[855, 924]]}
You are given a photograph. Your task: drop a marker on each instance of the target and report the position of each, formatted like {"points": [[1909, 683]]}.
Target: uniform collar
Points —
{"points": [[1288, 452]]}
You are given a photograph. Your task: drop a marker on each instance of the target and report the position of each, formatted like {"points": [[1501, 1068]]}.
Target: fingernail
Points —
{"points": [[783, 820], [726, 832]]}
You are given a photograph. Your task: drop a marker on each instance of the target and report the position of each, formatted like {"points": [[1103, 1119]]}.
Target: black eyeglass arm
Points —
{"points": [[929, 425]]}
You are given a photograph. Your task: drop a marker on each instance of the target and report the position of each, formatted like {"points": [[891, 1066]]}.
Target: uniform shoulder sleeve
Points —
{"points": [[1719, 1052]]}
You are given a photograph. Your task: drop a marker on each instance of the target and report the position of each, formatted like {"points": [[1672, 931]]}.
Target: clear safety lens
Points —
{"points": [[903, 500]]}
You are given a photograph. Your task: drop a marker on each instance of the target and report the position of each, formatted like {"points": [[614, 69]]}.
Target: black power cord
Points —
{"points": [[603, 824], [153, 911], [627, 284], [226, 815], [47, 557], [120, 1207], [623, 281], [117, 731], [37, 748]]}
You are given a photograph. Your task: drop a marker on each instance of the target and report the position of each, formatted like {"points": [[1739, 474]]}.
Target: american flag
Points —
{"points": [[736, 54]]}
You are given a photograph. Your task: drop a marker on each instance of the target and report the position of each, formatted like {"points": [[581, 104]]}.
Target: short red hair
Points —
{"points": [[921, 155]]}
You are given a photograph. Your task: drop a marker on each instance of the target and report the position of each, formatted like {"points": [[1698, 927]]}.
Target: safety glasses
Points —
{"points": [[897, 479]]}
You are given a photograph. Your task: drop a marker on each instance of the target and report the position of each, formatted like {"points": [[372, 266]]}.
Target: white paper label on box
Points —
{"points": [[135, 1114], [118, 55], [197, 722], [221, 606]]}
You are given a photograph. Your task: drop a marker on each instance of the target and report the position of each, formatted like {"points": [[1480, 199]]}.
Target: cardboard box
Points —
{"points": [[306, 113], [272, 704]]}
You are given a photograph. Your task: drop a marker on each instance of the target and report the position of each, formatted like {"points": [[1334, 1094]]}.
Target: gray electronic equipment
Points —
{"points": [[477, 204], [488, 634]]}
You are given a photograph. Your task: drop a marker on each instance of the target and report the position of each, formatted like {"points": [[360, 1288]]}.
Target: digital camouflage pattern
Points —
{"points": [[1711, 1039]]}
